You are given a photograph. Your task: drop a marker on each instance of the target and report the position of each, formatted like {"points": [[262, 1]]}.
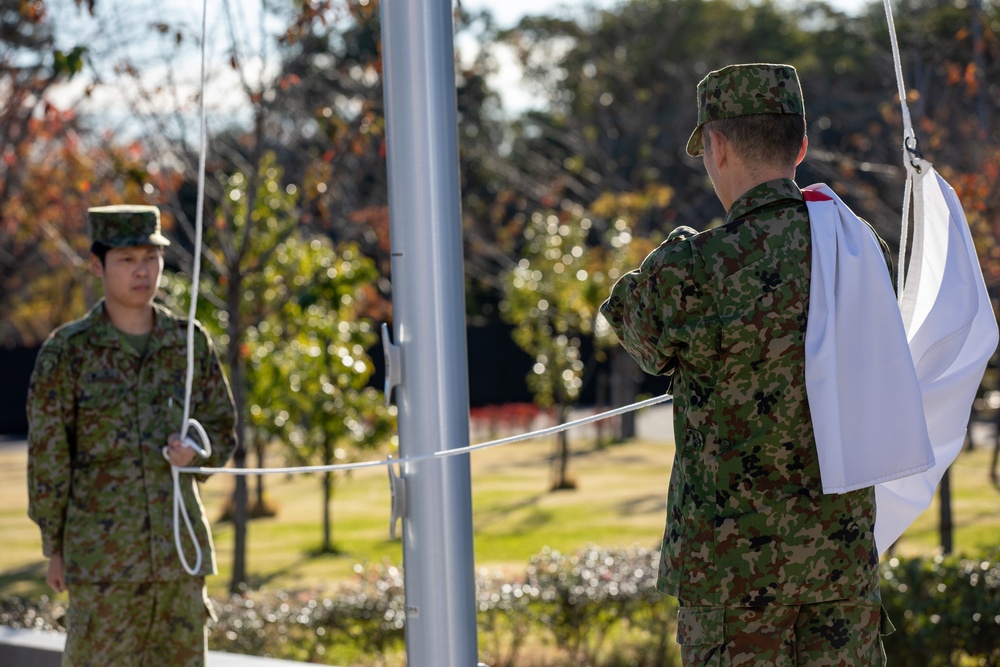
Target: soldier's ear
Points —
{"points": [[717, 148], [96, 266], [802, 151]]}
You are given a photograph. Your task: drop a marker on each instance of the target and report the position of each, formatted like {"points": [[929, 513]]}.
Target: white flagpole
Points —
{"points": [[429, 328]]}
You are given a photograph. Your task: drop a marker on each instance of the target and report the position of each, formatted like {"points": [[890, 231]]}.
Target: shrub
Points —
{"points": [[597, 594], [597, 607], [944, 609]]}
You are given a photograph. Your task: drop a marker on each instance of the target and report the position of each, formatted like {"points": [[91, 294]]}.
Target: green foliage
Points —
{"points": [[943, 608], [68, 63], [584, 598], [361, 623], [596, 607], [552, 303], [303, 340], [620, 249]]}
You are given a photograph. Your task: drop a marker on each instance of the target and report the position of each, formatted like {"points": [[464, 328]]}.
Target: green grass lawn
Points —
{"points": [[619, 501]]}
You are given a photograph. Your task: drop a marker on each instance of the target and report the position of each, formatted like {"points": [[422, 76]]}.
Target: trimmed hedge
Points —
{"points": [[944, 610], [596, 607]]}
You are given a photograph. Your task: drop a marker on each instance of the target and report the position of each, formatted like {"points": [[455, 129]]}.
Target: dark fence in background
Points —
{"points": [[15, 371], [497, 372]]}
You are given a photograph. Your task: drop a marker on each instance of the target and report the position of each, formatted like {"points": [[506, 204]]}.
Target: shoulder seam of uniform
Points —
{"points": [[73, 328]]}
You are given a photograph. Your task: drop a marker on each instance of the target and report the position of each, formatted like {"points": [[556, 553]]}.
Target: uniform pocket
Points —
{"points": [[102, 430], [77, 620], [701, 626], [701, 635], [78, 649]]}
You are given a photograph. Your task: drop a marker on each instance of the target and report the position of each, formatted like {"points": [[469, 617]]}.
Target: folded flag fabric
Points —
{"points": [[863, 393], [890, 386], [952, 333]]}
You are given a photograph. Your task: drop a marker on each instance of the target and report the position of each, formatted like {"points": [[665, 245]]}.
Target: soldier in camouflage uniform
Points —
{"points": [[106, 397], [767, 568]]}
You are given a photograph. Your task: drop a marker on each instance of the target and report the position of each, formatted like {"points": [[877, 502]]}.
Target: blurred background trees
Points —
{"points": [[100, 101]]}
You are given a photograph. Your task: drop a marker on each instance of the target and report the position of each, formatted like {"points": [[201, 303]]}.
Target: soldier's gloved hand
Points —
{"points": [[681, 233], [56, 575], [177, 453]]}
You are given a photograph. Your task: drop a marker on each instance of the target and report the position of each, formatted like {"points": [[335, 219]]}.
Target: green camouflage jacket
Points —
{"points": [[99, 415], [725, 312]]}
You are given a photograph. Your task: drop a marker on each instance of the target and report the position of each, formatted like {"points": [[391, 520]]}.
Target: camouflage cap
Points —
{"points": [[744, 90], [125, 225]]}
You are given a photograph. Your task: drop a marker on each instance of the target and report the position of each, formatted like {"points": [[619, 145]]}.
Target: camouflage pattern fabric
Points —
{"points": [[845, 633], [125, 225], [725, 311], [745, 90], [99, 415], [138, 625]]}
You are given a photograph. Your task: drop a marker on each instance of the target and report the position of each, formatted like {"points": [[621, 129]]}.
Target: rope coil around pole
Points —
{"points": [[440, 454]]}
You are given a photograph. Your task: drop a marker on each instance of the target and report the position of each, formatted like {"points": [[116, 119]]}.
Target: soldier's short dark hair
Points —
{"points": [[772, 139], [100, 250]]}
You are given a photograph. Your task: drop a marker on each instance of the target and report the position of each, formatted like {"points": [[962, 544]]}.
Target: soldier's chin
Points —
{"points": [[141, 296]]}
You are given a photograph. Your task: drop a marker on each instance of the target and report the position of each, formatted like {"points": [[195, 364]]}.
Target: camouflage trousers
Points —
{"points": [[137, 625], [844, 633]]}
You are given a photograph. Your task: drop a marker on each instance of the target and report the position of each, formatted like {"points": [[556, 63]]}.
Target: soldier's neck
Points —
{"points": [[743, 180], [130, 320]]}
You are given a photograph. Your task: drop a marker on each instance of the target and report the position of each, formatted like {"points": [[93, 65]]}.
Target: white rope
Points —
{"points": [[205, 450], [907, 124], [909, 144], [440, 454]]}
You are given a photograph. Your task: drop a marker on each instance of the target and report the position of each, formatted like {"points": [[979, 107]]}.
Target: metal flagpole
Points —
{"points": [[430, 362]]}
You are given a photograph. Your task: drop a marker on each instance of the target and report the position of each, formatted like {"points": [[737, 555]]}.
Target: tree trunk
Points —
{"points": [[624, 387], [602, 402], [327, 492], [562, 478], [947, 537], [258, 447], [994, 476], [233, 296]]}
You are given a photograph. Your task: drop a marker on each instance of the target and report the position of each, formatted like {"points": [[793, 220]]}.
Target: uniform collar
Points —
{"points": [[762, 195], [165, 331]]}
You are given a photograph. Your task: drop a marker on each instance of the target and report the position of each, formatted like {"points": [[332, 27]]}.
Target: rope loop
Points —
{"points": [[205, 449]]}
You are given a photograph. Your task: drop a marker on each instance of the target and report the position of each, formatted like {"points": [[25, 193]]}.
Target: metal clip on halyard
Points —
{"points": [[912, 146], [393, 377], [397, 487], [205, 451], [913, 159]]}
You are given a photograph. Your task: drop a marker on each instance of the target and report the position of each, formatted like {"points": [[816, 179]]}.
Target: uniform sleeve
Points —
{"points": [[213, 406], [50, 425], [656, 309]]}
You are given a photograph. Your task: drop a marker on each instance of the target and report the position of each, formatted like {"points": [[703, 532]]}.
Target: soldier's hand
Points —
{"points": [[56, 577], [177, 453]]}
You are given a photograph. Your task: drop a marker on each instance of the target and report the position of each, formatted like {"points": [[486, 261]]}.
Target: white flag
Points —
{"points": [[952, 333], [865, 401]]}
